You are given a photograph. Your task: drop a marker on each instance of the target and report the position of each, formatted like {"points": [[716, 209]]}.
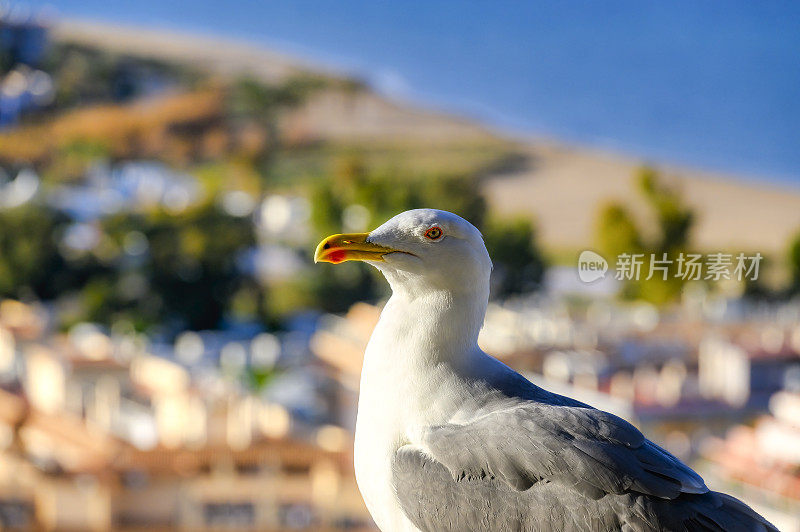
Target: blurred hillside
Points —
{"points": [[559, 186], [179, 196]]}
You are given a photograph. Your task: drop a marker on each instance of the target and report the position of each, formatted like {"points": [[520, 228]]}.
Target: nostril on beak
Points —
{"points": [[326, 246]]}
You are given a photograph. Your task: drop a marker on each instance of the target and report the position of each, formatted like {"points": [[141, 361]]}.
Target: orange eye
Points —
{"points": [[434, 233]]}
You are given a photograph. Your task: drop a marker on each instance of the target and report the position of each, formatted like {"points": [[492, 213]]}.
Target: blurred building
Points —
{"points": [[762, 462], [95, 434]]}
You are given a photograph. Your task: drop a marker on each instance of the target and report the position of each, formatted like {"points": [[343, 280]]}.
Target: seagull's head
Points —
{"points": [[421, 249]]}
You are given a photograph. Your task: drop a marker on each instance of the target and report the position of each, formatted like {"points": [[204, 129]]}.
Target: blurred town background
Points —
{"points": [[170, 358]]}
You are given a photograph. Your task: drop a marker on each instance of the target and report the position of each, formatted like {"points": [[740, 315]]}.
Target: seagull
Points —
{"points": [[449, 438]]}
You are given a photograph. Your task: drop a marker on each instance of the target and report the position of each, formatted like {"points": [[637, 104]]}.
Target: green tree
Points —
{"points": [[518, 263], [618, 233], [793, 257], [674, 218], [30, 263], [190, 266]]}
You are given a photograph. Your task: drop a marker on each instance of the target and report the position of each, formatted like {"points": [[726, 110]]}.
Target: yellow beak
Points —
{"points": [[352, 246]]}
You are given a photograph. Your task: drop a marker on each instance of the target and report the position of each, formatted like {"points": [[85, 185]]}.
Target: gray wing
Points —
{"points": [[594, 451], [534, 466]]}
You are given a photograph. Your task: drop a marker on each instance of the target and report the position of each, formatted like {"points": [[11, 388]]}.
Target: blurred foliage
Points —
{"points": [[253, 98], [229, 174], [674, 218], [148, 268], [379, 195], [383, 194], [189, 269], [618, 233], [518, 262], [29, 258], [71, 161], [289, 296], [794, 265], [259, 379], [337, 289]]}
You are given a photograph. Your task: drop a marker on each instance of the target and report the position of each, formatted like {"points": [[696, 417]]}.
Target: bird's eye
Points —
{"points": [[434, 233]]}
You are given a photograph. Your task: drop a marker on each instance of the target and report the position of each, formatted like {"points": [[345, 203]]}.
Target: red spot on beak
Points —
{"points": [[337, 256]]}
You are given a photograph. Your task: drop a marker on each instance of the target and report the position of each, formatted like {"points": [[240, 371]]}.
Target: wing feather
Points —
{"points": [[579, 446], [435, 502]]}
